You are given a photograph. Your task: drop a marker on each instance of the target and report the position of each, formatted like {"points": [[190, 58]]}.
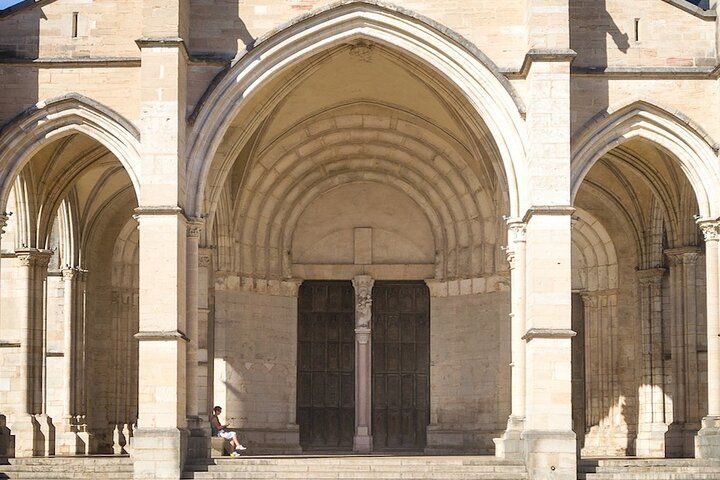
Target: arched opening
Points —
{"points": [[69, 270], [362, 162], [643, 317]]}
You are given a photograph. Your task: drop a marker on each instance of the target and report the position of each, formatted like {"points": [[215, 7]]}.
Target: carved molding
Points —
{"points": [[204, 260], [510, 256], [363, 51], [363, 300]]}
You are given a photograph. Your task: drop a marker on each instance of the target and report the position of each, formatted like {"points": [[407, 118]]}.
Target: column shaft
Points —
{"points": [[32, 272], [652, 425], [510, 444], [193, 234], [707, 441]]}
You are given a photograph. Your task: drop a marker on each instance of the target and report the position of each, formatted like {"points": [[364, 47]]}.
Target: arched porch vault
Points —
{"points": [[63, 116], [660, 172], [496, 111], [692, 148]]}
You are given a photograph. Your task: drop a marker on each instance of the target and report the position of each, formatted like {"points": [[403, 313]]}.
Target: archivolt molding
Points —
{"points": [[62, 116], [330, 151], [599, 259], [675, 135], [478, 81]]}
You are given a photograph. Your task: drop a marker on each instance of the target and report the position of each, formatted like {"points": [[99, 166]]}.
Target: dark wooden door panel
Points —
{"points": [[326, 365], [400, 365]]}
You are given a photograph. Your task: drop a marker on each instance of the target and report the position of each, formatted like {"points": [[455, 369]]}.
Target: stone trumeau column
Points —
{"points": [[160, 441], [362, 442], [707, 442], [652, 424], [510, 445], [550, 448]]}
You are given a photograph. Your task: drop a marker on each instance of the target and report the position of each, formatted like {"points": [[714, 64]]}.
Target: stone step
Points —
{"points": [[649, 469], [349, 475], [61, 468], [358, 467], [653, 475]]}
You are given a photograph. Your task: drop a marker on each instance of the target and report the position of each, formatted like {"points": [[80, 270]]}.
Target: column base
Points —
{"points": [[650, 440], [71, 438], [5, 438], [511, 445], [550, 454], [159, 453], [362, 441], [199, 441], [707, 441], [24, 431]]}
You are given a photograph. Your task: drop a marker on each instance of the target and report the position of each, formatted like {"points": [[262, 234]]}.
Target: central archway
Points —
{"points": [[369, 145]]}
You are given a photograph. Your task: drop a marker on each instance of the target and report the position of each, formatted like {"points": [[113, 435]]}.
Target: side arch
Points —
{"points": [[682, 138], [61, 116], [499, 111]]}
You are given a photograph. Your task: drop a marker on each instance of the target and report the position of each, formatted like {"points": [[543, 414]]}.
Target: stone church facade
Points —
{"points": [[441, 227]]}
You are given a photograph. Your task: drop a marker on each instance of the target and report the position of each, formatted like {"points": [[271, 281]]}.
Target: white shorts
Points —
{"points": [[226, 435]]}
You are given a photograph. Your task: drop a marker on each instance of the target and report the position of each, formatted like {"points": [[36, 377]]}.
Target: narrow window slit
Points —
{"points": [[637, 29], [75, 24]]}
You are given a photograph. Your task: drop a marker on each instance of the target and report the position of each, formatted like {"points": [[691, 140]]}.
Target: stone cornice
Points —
{"points": [[541, 55], [156, 210], [556, 210], [64, 62], [709, 72], [164, 42], [161, 335], [552, 333]]}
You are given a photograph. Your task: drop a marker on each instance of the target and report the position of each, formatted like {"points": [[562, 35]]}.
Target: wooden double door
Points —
{"points": [[327, 371]]}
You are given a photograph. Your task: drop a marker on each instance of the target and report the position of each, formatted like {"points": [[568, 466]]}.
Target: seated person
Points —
{"points": [[218, 430]]}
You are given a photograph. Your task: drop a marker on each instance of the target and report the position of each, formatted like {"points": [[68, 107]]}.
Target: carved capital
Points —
{"points": [[510, 255], [651, 276], [70, 273], [4, 217], [194, 227], [517, 231], [363, 300], [683, 255], [204, 260], [710, 230], [32, 257]]}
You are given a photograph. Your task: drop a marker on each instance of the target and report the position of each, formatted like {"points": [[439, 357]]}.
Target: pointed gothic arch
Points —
{"points": [[60, 116], [672, 132], [493, 100]]}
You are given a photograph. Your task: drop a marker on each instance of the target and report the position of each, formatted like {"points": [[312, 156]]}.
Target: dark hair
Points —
{"points": [[217, 408]]}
